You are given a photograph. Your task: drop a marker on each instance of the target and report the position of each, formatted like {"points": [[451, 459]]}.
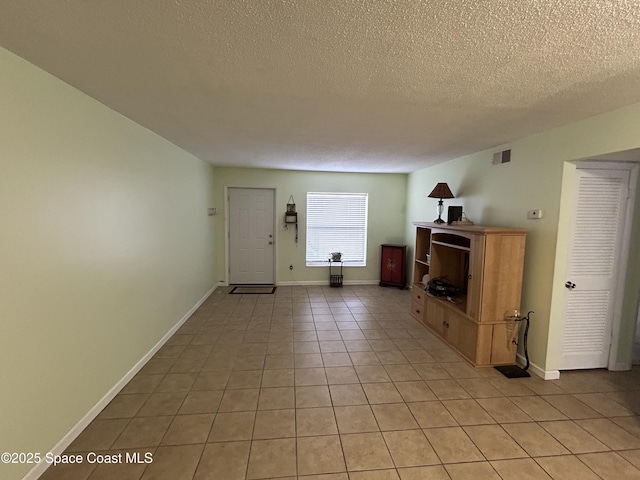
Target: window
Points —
{"points": [[337, 222]]}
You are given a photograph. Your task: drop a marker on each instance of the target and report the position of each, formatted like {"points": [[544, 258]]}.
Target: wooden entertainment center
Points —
{"points": [[485, 266]]}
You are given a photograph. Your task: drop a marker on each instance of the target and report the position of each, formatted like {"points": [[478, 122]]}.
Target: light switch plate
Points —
{"points": [[534, 214], [211, 211]]}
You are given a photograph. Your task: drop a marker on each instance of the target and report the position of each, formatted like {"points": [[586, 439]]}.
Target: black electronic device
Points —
{"points": [[438, 287], [454, 214]]}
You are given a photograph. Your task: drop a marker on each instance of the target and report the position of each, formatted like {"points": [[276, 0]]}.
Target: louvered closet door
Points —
{"points": [[593, 260]]}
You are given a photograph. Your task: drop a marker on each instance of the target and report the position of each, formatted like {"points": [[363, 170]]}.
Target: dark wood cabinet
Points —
{"points": [[393, 266]]}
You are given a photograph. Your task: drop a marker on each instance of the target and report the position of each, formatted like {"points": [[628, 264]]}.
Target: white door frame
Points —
{"points": [[620, 277], [624, 258], [227, 230]]}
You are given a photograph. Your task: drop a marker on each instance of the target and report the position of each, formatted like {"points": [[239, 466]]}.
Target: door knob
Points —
{"points": [[570, 285]]}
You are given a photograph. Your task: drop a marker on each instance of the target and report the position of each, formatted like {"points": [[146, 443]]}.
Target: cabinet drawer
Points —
{"points": [[417, 311], [418, 295]]}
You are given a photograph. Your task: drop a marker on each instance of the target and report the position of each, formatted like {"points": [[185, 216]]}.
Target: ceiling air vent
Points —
{"points": [[502, 157]]}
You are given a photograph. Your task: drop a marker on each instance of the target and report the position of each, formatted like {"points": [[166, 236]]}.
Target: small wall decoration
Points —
{"points": [[291, 206], [291, 217]]}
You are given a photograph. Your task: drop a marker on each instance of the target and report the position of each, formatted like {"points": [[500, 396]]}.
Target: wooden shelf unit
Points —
{"points": [[485, 264]]}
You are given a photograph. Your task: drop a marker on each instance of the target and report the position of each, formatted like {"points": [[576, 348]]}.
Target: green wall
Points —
{"points": [[387, 196], [105, 245], [501, 195]]}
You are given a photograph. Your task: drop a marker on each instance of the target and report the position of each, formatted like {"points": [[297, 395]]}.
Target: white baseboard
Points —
{"points": [[60, 447], [621, 367], [321, 283], [540, 372], [555, 374]]}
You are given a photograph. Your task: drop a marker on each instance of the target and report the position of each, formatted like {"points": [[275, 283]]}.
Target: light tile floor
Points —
{"points": [[337, 384]]}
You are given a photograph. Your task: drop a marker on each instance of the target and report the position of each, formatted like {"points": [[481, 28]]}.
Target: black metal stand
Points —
{"points": [[335, 280], [514, 371]]}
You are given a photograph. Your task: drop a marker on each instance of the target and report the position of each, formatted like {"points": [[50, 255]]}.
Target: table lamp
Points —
{"points": [[441, 191]]}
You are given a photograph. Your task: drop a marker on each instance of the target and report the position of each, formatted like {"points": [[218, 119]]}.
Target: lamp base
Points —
{"points": [[438, 220]]}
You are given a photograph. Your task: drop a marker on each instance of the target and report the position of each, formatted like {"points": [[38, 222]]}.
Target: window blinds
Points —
{"points": [[337, 222]]}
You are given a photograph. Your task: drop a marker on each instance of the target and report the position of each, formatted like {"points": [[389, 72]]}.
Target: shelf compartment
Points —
{"points": [[423, 243], [451, 245], [451, 239], [452, 265]]}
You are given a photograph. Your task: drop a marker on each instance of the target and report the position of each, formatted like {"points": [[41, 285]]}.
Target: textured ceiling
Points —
{"points": [[345, 85]]}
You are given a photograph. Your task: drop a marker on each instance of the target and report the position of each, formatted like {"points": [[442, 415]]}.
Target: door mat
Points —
{"points": [[512, 371], [257, 290]]}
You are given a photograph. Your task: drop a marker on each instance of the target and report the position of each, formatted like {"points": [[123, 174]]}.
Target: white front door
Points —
{"points": [[593, 267], [251, 236]]}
